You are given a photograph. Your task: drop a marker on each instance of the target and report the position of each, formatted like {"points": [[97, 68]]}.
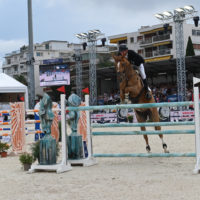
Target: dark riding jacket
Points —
{"points": [[135, 58]]}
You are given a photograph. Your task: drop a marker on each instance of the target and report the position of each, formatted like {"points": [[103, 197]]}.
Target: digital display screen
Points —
{"points": [[52, 75]]}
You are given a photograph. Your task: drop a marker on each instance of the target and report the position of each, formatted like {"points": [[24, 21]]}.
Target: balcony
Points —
{"points": [[157, 53], [161, 37], [146, 41], [154, 39], [162, 52]]}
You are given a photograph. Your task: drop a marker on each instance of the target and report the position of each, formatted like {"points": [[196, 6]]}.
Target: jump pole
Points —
{"points": [[197, 123]]}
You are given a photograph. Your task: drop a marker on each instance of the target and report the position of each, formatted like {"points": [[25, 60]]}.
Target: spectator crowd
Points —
{"points": [[161, 93]]}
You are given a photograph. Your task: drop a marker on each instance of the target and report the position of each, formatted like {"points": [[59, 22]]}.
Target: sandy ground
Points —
{"points": [[111, 178]]}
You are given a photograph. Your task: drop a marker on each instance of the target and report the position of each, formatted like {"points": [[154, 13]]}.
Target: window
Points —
{"points": [[8, 61], [140, 51], [15, 68], [195, 32], [131, 39], [46, 46], [139, 38], [39, 54]]}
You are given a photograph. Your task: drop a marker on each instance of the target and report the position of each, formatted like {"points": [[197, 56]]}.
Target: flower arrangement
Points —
{"points": [[4, 147]]}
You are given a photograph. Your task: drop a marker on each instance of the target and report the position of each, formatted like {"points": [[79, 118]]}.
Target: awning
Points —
{"points": [[161, 43], [158, 59], [117, 40], [153, 31]]}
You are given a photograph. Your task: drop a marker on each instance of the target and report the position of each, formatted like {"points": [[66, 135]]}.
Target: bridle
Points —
{"points": [[121, 76]]}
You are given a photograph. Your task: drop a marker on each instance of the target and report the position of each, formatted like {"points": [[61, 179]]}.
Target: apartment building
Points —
{"points": [[16, 61], [56, 53], [155, 43]]}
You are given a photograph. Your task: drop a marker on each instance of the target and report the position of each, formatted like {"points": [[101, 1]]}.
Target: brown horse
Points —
{"points": [[131, 86]]}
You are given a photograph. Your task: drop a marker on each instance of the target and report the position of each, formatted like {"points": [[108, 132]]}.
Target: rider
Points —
{"points": [[138, 60]]}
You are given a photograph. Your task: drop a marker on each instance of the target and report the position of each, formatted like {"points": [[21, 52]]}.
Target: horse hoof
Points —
{"points": [[165, 148], [148, 148]]}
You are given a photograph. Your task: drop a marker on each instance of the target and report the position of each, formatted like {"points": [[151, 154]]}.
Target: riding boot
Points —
{"points": [[146, 87]]}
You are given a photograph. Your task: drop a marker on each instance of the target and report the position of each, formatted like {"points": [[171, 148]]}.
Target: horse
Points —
{"points": [[131, 87]]}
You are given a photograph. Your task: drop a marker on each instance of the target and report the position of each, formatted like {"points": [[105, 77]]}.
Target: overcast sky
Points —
{"points": [[62, 19]]}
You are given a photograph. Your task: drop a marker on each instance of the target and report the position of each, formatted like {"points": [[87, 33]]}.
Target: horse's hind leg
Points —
{"points": [[163, 144], [141, 118], [155, 118], [148, 148]]}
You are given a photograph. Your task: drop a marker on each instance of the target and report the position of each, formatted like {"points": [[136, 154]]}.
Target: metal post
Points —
{"points": [[180, 59], [31, 77], [78, 61], [92, 70], [91, 37]]}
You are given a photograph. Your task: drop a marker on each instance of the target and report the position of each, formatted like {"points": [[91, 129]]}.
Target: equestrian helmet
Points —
{"points": [[122, 47]]}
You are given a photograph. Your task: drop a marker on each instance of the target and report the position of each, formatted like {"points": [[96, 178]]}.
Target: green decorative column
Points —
{"points": [[75, 142], [47, 143]]}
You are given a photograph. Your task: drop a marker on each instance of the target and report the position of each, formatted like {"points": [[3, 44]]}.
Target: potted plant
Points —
{"points": [[3, 149], [26, 160], [130, 118]]}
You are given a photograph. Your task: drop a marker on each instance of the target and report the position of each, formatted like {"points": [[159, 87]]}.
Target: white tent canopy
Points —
{"points": [[10, 85]]}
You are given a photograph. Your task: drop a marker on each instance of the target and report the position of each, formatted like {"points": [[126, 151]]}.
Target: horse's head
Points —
{"points": [[120, 64]]}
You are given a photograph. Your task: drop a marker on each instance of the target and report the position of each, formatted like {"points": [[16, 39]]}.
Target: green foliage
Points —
{"points": [[190, 48], [35, 149], [21, 79], [4, 147], [26, 158], [105, 61], [130, 118]]}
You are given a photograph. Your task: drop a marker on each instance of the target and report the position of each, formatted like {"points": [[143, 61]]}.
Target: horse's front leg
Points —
{"points": [[128, 90], [122, 97], [122, 87]]}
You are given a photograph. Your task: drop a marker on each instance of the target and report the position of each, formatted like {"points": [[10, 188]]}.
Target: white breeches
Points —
{"points": [[142, 72]]}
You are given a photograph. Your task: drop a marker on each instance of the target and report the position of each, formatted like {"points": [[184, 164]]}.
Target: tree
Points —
{"points": [[190, 48], [21, 79], [104, 60]]}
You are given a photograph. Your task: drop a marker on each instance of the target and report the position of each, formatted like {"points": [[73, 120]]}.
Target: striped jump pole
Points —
{"points": [[5, 123]]}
